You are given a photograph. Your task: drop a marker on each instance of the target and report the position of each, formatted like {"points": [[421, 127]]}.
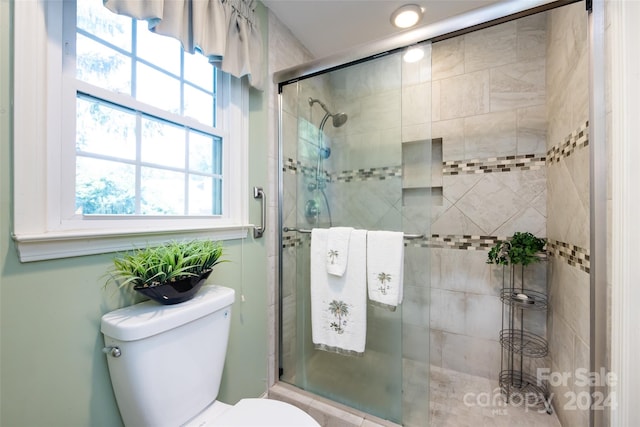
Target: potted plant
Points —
{"points": [[170, 273], [522, 248]]}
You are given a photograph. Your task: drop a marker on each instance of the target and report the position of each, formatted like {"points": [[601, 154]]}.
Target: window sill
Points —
{"points": [[45, 246]]}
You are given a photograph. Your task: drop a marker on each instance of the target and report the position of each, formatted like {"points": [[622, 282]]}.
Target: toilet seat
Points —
{"points": [[254, 413]]}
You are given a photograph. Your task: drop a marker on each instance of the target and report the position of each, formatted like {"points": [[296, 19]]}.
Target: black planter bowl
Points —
{"points": [[174, 292]]}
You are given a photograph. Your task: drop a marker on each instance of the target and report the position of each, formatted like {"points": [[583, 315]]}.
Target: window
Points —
{"points": [[130, 160], [143, 141]]}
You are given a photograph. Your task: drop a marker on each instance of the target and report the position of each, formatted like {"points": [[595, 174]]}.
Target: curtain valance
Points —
{"points": [[226, 31]]}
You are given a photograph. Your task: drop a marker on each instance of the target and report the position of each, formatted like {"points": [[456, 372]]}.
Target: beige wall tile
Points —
{"points": [[571, 299], [417, 132], [532, 130], [528, 184], [527, 219], [483, 316], [490, 135], [448, 58], [416, 104], [532, 36], [577, 165], [471, 355], [456, 186], [567, 217], [436, 339], [464, 95], [462, 271], [499, 203], [447, 311], [521, 84], [454, 221], [561, 345], [490, 47], [567, 70], [452, 134], [435, 101]]}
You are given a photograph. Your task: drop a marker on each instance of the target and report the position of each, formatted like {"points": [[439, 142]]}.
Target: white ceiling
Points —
{"points": [[326, 27]]}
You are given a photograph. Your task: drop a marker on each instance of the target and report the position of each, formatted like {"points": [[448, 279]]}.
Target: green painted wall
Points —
{"points": [[52, 369]]}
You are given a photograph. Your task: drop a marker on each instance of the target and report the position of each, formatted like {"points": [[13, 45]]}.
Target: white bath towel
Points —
{"points": [[339, 304], [337, 254], [385, 262]]}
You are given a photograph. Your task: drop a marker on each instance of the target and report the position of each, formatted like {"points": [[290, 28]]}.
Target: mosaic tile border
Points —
{"points": [[573, 255], [380, 173], [291, 241], [452, 167], [450, 241], [576, 140], [295, 166], [493, 164]]}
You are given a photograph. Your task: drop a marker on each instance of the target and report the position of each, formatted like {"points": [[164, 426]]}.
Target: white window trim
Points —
{"points": [[39, 232]]}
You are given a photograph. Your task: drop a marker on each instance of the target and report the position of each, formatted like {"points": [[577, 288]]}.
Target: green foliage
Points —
{"points": [[104, 196], [153, 266], [522, 248]]}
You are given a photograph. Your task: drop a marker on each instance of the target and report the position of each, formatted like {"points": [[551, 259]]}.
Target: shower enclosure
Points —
{"points": [[356, 150]]}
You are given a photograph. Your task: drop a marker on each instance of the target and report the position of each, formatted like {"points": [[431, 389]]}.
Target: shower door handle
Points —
{"points": [[258, 193]]}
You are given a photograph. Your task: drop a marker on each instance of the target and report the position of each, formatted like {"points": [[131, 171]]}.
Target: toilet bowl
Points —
{"points": [[166, 361]]}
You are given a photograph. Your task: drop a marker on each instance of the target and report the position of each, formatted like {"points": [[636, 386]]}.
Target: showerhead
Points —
{"points": [[337, 119]]}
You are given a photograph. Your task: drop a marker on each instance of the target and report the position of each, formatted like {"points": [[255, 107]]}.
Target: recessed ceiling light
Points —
{"points": [[407, 16]]}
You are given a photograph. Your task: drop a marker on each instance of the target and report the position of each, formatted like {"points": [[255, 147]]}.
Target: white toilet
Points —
{"points": [[166, 364]]}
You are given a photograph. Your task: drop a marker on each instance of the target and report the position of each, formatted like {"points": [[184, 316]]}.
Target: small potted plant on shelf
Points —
{"points": [[170, 273], [521, 249]]}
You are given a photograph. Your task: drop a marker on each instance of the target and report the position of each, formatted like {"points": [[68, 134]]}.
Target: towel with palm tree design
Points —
{"points": [[338, 250], [340, 311], [385, 259], [339, 303]]}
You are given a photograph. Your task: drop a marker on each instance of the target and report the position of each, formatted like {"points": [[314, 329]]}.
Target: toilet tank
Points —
{"points": [[171, 356]]}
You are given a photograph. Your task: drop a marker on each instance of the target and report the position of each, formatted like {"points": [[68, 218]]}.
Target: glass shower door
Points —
{"points": [[345, 164]]}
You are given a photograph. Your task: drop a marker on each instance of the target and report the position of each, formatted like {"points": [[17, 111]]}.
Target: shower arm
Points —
{"points": [[307, 231], [324, 107]]}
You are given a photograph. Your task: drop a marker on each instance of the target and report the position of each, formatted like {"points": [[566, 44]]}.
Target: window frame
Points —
{"points": [[41, 125]]}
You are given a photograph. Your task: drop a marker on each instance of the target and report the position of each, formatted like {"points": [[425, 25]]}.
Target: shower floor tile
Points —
{"points": [[463, 400]]}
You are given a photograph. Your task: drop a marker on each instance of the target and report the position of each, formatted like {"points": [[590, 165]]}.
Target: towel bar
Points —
{"points": [[307, 231]]}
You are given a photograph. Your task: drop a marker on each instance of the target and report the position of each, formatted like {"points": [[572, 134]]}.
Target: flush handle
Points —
{"points": [[113, 351]]}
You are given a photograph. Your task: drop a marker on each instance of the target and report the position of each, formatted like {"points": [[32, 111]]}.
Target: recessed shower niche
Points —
{"points": [[417, 180]]}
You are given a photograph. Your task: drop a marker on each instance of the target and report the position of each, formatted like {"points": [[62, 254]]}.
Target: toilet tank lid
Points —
{"points": [[149, 318]]}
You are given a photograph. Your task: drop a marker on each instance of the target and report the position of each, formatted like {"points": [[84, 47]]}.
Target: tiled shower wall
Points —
{"points": [[568, 227], [489, 108]]}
